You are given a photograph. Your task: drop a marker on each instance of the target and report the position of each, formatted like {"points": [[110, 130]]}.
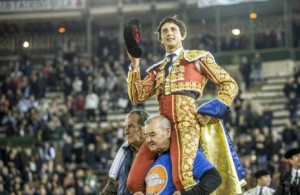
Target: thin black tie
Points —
{"points": [[260, 191], [169, 64], [296, 178]]}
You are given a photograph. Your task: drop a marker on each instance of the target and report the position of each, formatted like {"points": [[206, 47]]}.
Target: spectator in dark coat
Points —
{"points": [[245, 69], [292, 106], [67, 150], [91, 156], [267, 116], [288, 135], [288, 87]]}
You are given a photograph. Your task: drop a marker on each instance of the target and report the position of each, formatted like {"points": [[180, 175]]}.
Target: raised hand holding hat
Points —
{"points": [[132, 38]]}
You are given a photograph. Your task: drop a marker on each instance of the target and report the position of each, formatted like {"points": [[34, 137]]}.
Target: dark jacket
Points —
{"points": [[119, 186], [285, 186]]}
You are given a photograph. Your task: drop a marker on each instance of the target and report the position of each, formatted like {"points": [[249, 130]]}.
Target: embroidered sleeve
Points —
{"points": [[140, 90], [228, 88]]}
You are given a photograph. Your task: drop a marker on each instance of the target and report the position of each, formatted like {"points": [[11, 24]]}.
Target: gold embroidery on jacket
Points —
{"points": [[193, 55], [178, 69], [228, 88], [189, 137], [186, 86], [140, 90]]}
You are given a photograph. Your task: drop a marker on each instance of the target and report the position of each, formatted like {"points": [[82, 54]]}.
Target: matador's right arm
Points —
{"points": [[140, 90]]}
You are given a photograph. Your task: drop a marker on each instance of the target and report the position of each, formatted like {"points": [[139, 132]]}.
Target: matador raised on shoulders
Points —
{"points": [[177, 88]]}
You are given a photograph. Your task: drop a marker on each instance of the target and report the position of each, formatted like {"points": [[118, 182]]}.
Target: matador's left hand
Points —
{"points": [[203, 119]]}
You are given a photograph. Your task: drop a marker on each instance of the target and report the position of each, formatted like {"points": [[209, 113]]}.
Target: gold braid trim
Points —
{"points": [[228, 88], [193, 55], [188, 130], [140, 90]]}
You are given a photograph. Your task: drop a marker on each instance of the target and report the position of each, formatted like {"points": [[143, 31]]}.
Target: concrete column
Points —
{"points": [[88, 25]]}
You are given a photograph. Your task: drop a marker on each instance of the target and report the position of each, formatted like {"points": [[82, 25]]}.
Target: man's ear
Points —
{"points": [[168, 132], [183, 36]]}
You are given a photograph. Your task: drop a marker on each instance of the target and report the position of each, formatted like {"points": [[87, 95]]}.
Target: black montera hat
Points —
{"points": [[291, 152], [132, 37], [260, 173]]}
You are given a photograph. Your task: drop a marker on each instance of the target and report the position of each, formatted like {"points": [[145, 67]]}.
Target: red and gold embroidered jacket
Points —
{"points": [[189, 73]]}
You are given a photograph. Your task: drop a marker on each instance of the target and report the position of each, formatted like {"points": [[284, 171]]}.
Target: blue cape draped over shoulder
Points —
{"points": [[217, 109]]}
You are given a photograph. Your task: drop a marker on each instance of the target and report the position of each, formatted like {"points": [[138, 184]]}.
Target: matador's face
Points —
{"points": [[171, 37]]}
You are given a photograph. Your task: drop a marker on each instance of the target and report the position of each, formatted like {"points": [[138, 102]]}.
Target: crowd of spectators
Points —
{"points": [[89, 90], [258, 144], [71, 144], [70, 130]]}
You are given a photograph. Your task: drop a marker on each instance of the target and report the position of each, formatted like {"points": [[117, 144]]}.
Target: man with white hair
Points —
{"points": [[159, 177]]}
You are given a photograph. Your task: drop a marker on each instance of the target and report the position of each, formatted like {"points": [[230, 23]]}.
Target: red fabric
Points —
{"points": [[79, 103], [166, 108], [139, 169], [175, 158], [137, 35]]}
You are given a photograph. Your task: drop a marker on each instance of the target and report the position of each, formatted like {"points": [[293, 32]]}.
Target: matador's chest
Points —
{"points": [[183, 76]]}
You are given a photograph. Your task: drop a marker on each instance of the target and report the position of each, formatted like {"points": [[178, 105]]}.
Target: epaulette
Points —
{"points": [[192, 55], [155, 65]]}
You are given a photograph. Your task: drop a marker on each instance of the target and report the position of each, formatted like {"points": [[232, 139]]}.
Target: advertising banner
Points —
{"points": [[209, 3], [8, 6]]}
